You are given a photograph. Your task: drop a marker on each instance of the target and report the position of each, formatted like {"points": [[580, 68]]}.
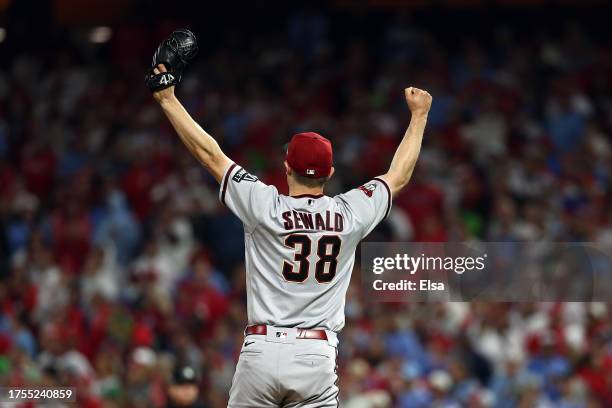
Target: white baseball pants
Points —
{"points": [[278, 370]]}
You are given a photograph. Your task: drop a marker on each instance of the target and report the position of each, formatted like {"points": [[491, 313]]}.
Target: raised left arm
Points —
{"points": [[407, 153]]}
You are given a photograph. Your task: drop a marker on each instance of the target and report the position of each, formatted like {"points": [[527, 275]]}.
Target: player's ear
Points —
{"points": [[332, 171], [287, 168]]}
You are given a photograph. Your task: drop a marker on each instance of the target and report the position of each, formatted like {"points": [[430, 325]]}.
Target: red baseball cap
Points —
{"points": [[310, 155]]}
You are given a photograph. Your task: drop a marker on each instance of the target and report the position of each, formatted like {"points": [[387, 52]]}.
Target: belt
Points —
{"points": [[262, 329]]}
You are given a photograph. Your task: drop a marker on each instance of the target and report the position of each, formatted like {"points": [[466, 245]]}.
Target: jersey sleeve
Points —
{"points": [[369, 204], [246, 196]]}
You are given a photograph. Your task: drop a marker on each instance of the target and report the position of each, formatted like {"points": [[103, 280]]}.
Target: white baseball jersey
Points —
{"points": [[300, 250]]}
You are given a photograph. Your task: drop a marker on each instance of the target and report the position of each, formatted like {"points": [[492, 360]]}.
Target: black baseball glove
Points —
{"points": [[174, 52]]}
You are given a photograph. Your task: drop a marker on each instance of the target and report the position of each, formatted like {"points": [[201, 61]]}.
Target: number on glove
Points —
{"points": [[166, 79]]}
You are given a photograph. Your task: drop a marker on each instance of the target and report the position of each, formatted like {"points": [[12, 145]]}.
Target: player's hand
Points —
{"points": [[419, 101], [164, 94], [169, 60]]}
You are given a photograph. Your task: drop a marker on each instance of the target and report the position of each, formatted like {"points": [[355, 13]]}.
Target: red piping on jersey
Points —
{"points": [[224, 183], [384, 183], [307, 195]]}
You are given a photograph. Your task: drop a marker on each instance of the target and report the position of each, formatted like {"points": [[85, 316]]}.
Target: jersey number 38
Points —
{"points": [[328, 248]]}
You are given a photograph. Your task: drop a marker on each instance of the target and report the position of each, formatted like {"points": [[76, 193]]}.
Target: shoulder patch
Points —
{"points": [[242, 174], [368, 189]]}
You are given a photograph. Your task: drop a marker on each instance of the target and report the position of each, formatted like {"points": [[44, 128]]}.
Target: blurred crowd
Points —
{"points": [[118, 261]]}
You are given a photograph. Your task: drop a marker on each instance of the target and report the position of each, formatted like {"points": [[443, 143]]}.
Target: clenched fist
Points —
{"points": [[419, 101]]}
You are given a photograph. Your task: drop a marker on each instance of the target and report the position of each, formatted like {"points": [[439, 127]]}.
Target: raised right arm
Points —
{"points": [[201, 145]]}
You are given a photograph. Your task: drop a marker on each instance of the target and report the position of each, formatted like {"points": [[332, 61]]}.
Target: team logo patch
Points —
{"points": [[281, 334], [368, 189], [242, 174]]}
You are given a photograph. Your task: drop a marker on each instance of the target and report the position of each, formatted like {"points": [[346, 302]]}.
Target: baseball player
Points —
{"points": [[299, 248]]}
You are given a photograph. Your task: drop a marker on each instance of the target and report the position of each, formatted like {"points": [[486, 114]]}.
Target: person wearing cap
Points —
{"points": [[183, 389], [299, 255]]}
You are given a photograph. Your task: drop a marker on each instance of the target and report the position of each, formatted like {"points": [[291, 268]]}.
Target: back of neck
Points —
{"points": [[302, 190]]}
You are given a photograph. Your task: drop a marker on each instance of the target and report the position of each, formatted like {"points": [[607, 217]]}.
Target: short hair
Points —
{"points": [[310, 182]]}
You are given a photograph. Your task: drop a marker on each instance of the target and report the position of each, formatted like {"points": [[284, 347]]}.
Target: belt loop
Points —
{"points": [[332, 338]]}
